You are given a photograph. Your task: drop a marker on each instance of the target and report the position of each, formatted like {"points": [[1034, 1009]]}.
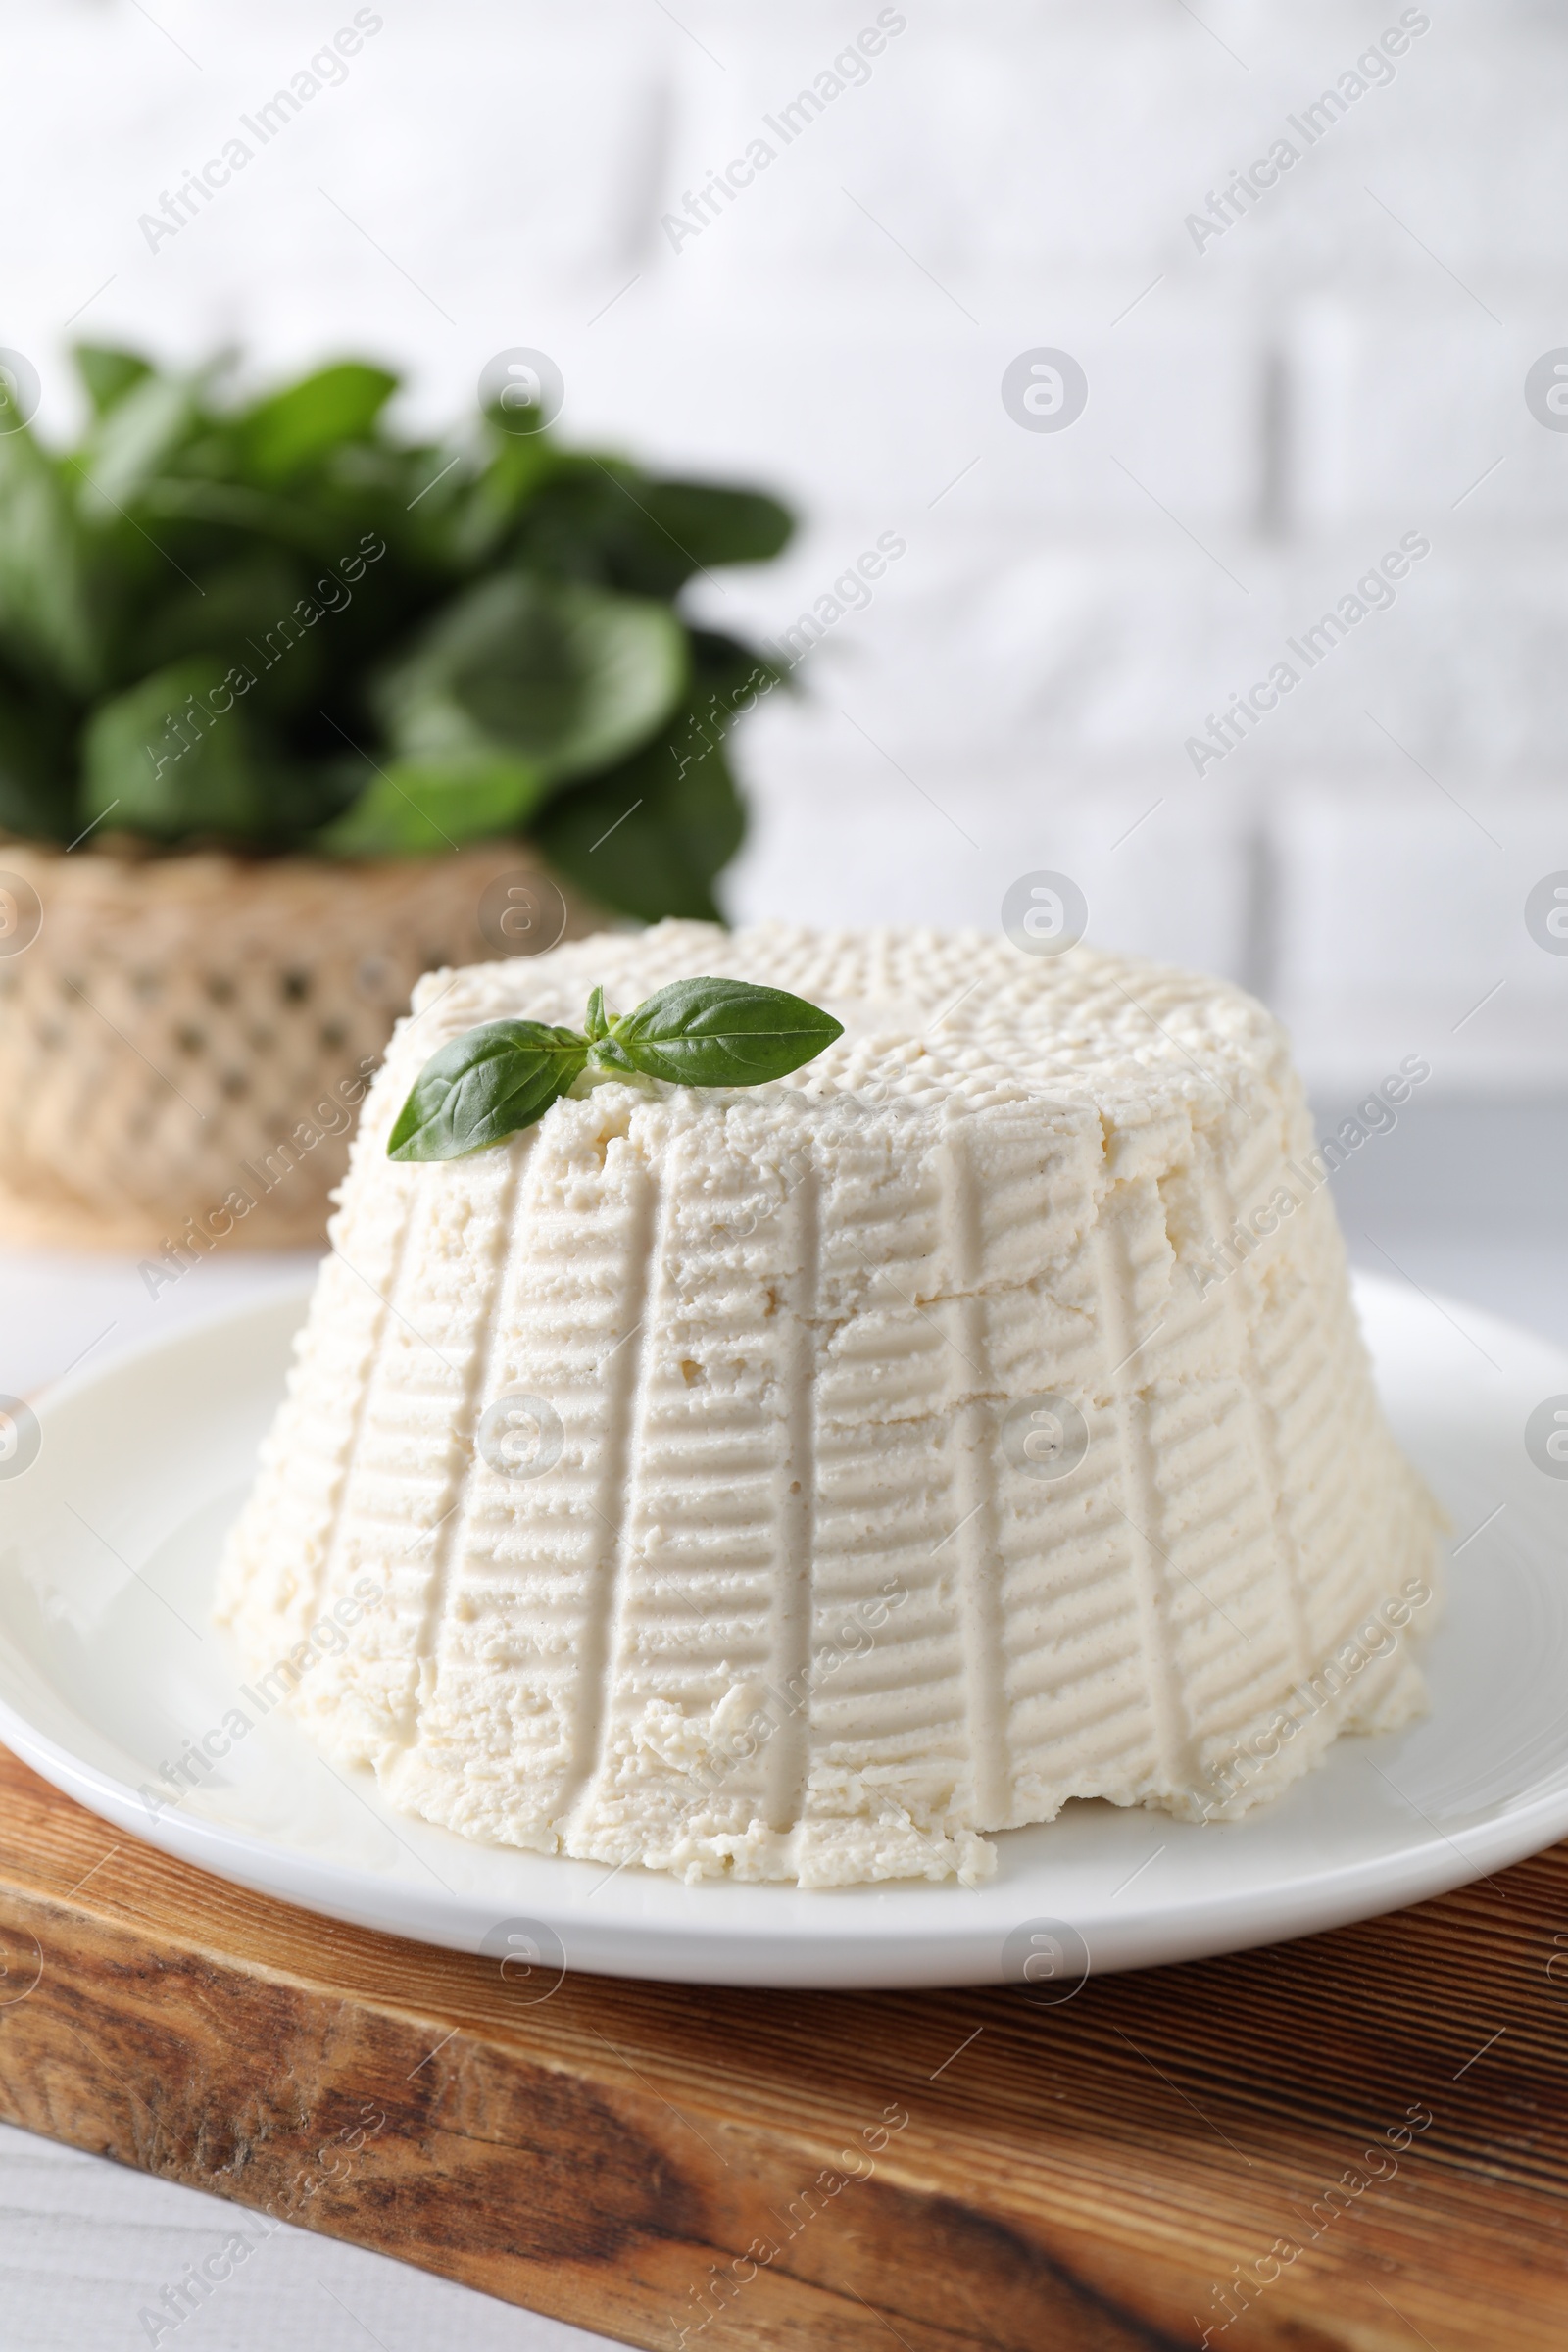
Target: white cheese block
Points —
{"points": [[782, 1562]]}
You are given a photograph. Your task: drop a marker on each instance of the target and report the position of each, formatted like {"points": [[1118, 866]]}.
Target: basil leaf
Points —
{"points": [[640, 534], [51, 584], [567, 677], [481, 1087], [418, 807], [648, 836], [132, 444], [108, 374], [722, 1033], [595, 1022], [296, 428], [181, 754], [687, 528]]}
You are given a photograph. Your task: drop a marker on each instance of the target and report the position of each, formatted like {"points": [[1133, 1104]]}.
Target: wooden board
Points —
{"points": [[1369, 2129]]}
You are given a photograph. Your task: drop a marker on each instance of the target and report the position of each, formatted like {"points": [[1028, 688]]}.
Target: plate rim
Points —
{"points": [[867, 1947]]}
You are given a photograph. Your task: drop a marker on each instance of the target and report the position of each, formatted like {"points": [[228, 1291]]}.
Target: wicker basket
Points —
{"points": [[183, 1039]]}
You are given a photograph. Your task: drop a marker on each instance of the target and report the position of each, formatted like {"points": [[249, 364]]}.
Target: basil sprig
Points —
{"points": [[492, 1081]]}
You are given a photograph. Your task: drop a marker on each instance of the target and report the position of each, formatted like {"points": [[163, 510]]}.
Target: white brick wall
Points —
{"points": [[1343, 365]]}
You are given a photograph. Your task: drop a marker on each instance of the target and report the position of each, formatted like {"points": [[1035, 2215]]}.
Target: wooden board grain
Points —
{"points": [[1368, 2130]]}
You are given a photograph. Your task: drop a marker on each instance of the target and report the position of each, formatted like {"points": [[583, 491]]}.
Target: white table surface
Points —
{"points": [[85, 2245]]}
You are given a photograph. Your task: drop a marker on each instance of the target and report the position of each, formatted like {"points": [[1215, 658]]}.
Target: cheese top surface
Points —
{"points": [[928, 1016]]}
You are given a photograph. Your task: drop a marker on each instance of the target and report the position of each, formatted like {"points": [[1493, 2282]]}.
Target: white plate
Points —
{"points": [[108, 1665]]}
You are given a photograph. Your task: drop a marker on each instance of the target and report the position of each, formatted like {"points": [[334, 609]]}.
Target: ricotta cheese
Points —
{"points": [[800, 1482]]}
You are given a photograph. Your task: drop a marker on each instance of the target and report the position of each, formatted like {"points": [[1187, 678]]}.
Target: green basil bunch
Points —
{"points": [[492, 1081], [278, 625]]}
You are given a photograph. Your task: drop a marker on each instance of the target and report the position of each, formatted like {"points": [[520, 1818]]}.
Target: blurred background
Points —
{"points": [[1283, 378], [1340, 366], [1124, 427]]}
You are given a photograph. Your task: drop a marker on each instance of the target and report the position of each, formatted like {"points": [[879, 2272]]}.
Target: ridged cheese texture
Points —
{"points": [[790, 1598]]}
